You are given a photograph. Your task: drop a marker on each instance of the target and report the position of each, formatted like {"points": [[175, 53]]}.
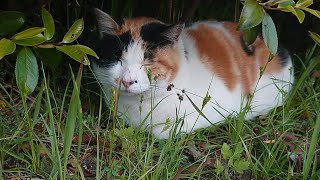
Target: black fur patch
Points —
{"points": [[151, 33], [283, 55], [249, 49], [110, 48], [149, 54]]}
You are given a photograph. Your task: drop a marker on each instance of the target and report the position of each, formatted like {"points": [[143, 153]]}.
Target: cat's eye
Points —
{"points": [[146, 64], [148, 55]]}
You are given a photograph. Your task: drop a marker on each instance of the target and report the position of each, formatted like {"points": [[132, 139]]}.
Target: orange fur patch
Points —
{"points": [[166, 63], [222, 52], [134, 25], [215, 52], [262, 52]]}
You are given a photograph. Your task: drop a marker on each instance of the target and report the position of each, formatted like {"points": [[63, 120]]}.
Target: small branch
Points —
{"points": [[49, 45], [266, 6]]}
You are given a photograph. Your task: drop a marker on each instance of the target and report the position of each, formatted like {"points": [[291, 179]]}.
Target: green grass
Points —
{"points": [[41, 137]]}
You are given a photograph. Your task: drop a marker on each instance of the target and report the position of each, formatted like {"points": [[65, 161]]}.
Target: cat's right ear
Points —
{"points": [[106, 24]]}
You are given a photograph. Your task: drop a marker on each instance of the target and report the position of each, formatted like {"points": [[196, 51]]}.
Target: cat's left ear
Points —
{"points": [[173, 32], [106, 24]]}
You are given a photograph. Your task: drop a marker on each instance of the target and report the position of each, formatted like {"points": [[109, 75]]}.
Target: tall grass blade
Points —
{"points": [[312, 148], [72, 116], [52, 132]]}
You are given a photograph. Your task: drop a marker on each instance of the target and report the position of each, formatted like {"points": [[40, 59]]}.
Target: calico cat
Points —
{"points": [[164, 72]]}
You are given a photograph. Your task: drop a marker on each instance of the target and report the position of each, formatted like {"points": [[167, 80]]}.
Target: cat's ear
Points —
{"points": [[173, 32], [106, 24]]}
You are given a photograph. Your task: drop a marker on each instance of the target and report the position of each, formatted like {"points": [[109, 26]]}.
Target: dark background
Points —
{"points": [[293, 35]]}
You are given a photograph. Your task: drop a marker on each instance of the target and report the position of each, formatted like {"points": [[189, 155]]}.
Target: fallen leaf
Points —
{"points": [[86, 139], [295, 148], [2, 105], [316, 74]]}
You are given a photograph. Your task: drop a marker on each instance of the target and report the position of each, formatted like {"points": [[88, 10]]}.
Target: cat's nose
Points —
{"points": [[127, 84]]}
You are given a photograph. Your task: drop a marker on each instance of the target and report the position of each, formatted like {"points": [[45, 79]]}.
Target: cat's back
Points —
{"points": [[222, 50]]}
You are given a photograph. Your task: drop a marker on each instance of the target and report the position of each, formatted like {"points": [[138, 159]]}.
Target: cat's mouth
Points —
{"points": [[133, 91]]}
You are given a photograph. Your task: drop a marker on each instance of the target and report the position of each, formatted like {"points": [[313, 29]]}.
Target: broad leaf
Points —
{"points": [[48, 23], [285, 2], [226, 151], [250, 35], [10, 22], [269, 34], [28, 33], [86, 50], [75, 53], [74, 32], [315, 37], [6, 47], [251, 15], [219, 167], [26, 71], [240, 166], [38, 39], [312, 11], [297, 12], [304, 3]]}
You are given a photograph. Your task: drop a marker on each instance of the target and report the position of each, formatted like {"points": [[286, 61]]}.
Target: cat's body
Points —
{"points": [[186, 63]]}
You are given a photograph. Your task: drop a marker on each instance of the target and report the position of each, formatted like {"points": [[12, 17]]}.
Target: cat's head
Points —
{"points": [[135, 48]]}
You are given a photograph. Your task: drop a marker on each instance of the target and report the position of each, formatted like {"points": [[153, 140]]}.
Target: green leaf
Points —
{"points": [[10, 22], [240, 166], [304, 3], [219, 167], [300, 15], [72, 115], [38, 39], [48, 23], [237, 152], [205, 100], [28, 33], [128, 132], [315, 37], [149, 74], [250, 35], [26, 71], [312, 11], [198, 110], [74, 32], [269, 34], [226, 151], [6, 47], [75, 53], [251, 15], [297, 12], [86, 50], [285, 2]]}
